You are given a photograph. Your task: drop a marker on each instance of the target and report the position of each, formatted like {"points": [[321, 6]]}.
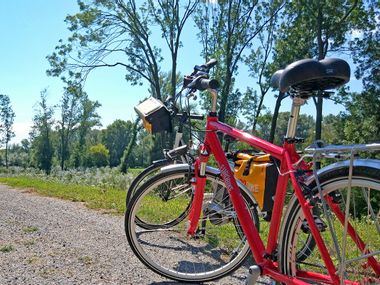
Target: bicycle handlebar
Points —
{"points": [[185, 116], [203, 84], [205, 68], [198, 80]]}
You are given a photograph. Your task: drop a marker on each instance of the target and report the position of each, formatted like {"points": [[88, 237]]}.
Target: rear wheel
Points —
{"points": [[219, 248], [362, 201]]}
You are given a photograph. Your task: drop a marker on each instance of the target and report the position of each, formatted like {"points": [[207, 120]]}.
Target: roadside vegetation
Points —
{"points": [[98, 188]]}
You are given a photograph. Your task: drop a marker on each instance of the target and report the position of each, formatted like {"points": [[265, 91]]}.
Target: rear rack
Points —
{"points": [[317, 152], [339, 151]]}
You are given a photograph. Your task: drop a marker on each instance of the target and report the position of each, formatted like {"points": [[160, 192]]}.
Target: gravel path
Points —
{"points": [[51, 241]]}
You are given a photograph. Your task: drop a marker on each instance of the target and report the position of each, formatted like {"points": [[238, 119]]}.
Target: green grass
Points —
{"points": [[93, 197], [30, 229], [135, 171], [6, 248]]}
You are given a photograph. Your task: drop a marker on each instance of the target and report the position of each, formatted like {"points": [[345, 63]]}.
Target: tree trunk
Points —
{"points": [[275, 116], [127, 152], [6, 155]]}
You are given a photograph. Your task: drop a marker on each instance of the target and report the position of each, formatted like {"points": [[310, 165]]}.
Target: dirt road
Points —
{"points": [[51, 241]]}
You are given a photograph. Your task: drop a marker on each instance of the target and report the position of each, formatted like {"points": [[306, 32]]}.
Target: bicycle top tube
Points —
{"points": [[267, 147]]}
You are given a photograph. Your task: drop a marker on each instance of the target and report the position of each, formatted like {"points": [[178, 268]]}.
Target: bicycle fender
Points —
{"points": [[344, 166]]}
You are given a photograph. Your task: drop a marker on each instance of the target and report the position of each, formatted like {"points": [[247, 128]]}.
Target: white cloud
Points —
{"points": [[21, 130]]}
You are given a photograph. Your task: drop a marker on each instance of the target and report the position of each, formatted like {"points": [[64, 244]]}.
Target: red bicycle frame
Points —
{"points": [[288, 157]]}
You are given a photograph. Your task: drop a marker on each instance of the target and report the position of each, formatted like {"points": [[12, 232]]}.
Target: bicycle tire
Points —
{"points": [[145, 175], [220, 251], [335, 183]]}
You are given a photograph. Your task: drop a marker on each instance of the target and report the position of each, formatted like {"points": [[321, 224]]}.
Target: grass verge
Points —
{"points": [[93, 197]]}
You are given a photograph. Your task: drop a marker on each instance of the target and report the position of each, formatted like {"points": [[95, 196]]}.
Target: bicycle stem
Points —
{"points": [[214, 96]]}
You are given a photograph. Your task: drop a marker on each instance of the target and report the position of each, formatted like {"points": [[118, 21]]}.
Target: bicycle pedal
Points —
{"points": [[336, 197], [253, 274]]}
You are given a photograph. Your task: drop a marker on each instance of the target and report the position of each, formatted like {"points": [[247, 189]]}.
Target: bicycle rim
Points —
{"points": [[167, 193], [172, 253], [349, 260]]}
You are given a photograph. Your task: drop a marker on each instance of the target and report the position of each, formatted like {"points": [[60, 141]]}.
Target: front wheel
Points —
{"points": [[166, 192], [353, 262], [218, 249]]}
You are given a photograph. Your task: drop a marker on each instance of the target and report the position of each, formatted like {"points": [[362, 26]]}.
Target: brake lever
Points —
{"points": [[191, 94]]}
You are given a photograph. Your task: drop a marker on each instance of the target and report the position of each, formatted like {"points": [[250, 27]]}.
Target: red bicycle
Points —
{"points": [[328, 232]]}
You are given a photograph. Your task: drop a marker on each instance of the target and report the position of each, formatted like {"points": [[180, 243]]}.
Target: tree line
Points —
{"points": [[258, 37]]}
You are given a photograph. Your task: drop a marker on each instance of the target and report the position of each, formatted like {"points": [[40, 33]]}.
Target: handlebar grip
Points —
{"points": [[196, 117], [211, 63], [203, 84], [185, 116]]}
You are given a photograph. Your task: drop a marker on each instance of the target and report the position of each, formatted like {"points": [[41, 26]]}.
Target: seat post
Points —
{"points": [[293, 119]]}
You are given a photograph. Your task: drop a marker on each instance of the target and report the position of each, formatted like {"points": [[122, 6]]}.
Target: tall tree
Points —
{"points": [[260, 68], [362, 116], [124, 164], [107, 30], [41, 134], [113, 33], [87, 119], [6, 118], [70, 112], [116, 138], [227, 30]]}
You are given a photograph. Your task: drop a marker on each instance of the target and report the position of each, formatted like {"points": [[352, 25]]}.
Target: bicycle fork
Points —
{"points": [[198, 184]]}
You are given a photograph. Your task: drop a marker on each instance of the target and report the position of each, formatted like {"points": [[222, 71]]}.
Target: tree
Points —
{"points": [[87, 119], [70, 112], [6, 118], [260, 68], [366, 52], [124, 164], [107, 30], [332, 129], [119, 33], [227, 30], [41, 134], [98, 156], [362, 117], [116, 138]]}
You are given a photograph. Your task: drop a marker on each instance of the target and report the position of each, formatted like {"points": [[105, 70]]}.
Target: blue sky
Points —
{"points": [[29, 32]]}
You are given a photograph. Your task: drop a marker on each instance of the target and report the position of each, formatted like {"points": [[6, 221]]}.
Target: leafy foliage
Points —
{"points": [[98, 156], [227, 30], [42, 135], [6, 119]]}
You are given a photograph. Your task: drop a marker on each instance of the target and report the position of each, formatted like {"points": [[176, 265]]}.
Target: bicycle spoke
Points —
{"points": [[370, 209], [354, 223]]}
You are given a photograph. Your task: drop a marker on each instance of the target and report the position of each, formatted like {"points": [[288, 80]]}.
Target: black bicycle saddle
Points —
{"points": [[312, 75]]}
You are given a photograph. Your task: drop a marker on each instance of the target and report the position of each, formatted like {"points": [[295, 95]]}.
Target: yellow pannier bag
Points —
{"points": [[259, 173]]}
